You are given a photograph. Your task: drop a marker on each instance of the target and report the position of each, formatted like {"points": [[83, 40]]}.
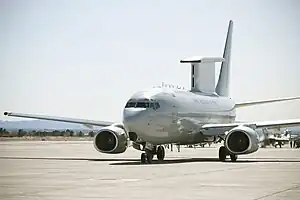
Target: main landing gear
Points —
{"points": [[147, 157], [223, 152]]}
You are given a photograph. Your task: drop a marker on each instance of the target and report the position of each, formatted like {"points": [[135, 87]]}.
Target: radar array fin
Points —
{"points": [[203, 73]]}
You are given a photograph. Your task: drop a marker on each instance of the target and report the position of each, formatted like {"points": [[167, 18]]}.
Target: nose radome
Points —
{"points": [[132, 114]]}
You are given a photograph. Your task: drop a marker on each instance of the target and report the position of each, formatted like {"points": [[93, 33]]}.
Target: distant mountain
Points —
{"points": [[39, 125]]}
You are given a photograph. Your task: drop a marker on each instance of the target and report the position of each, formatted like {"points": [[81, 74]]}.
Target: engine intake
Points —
{"points": [[242, 140], [238, 141], [106, 141], [111, 139]]}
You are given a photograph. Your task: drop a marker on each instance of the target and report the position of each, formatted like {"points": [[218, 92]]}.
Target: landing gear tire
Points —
{"points": [[233, 157], [160, 153], [143, 158], [222, 153], [149, 156]]}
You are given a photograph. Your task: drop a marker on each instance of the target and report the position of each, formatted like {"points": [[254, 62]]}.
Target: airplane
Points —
{"points": [[155, 117], [293, 134], [269, 137], [278, 140]]}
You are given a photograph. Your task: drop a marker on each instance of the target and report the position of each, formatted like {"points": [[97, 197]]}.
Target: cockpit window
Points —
{"points": [[156, 105], [152, 105], [143, 103], [130, 104]]}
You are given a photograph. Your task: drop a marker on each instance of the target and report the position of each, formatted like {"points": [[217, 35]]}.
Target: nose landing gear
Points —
{"points": [[223, 153], [160, 153], [147, 156]]}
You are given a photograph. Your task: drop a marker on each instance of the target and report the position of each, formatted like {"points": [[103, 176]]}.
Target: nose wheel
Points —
{"points": [[143, 158], [223, 153], [160, 153], [147, 156]]}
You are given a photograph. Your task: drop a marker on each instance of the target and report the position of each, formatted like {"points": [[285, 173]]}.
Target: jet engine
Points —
{"points": [[111, 139], [241, 140]]}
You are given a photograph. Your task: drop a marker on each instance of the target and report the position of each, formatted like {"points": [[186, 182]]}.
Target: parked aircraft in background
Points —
{"points": [[293, 134]]}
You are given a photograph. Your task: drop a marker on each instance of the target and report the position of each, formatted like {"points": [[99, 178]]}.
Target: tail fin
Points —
{"points": [[222, 87]]}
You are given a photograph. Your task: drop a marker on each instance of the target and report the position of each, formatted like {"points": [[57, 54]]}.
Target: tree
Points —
{"points": [[1, 131], [4, 132], [71, 133], [21, 133], [80, 134], [91, 134]]}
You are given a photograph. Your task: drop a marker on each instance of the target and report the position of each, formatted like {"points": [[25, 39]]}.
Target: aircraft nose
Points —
{"points": [[131, 115]]}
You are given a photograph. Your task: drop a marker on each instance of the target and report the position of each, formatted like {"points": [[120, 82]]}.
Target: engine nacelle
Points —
{"points": [[111, 139], [242, 140]]}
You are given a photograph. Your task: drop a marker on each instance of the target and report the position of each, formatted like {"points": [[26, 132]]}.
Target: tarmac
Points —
{"points": [[75, 170]]}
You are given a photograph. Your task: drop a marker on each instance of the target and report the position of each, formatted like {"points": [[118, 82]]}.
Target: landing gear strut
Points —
{"points": [[223, 153], [147, 157]]}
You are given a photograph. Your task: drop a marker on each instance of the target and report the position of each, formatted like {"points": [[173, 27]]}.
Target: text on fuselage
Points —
{"points": [[205, 102]]}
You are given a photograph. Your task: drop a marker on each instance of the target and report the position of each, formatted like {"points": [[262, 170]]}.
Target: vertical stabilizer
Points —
{"points": [[222, 87]]}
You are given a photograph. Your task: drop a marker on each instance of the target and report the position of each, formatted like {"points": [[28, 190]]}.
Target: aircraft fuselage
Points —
{"points": [[162, 115]]}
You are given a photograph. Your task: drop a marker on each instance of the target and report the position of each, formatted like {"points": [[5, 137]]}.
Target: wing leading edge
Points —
{"points": [[264, 124], [253, 103], [88, 123]]}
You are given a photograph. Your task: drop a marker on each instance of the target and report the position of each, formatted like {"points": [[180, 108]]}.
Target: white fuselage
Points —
{"points": [[161, 115]]}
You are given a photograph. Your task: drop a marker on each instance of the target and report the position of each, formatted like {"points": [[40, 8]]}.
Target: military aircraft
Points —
{"points": [[158, 116]]}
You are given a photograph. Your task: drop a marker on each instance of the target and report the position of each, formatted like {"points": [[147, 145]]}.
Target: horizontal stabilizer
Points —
{"points": [[198, 59]]}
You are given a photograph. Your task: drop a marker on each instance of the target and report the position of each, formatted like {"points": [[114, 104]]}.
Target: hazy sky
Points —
{"points": [[85, 58]]}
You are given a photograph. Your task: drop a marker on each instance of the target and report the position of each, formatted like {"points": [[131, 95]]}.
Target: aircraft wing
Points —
{"points": [[253, 103], [88, 123], [263, 124]]}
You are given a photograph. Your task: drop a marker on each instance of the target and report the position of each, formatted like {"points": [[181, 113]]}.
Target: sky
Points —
{"points": [[85, 59]]}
